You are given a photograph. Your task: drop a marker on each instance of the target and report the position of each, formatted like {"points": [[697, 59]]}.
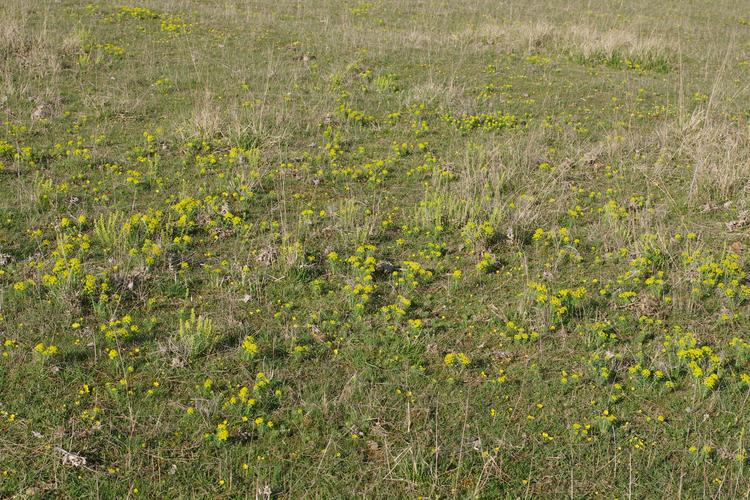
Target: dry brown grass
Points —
{"points": [[34, 51], [582, 40], [719, 153]]}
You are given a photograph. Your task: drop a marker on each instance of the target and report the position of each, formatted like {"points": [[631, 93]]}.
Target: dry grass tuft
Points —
{"points": [[583, 42]]}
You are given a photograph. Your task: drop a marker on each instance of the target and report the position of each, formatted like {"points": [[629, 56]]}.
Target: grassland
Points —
{"points": [[392, 248]]}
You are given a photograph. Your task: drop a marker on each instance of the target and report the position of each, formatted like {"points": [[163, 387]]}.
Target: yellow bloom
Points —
{"points": [[222, 432]]}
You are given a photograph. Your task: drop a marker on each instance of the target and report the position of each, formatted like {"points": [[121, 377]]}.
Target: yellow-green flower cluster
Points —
{"points": [[483, 121]]}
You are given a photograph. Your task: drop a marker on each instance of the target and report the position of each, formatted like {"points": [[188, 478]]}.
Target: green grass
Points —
{"points": [[377, 249]]}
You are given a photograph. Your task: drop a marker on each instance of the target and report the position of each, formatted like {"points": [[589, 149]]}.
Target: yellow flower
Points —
{"points": [[222, 432], [45, 351], [249, 347], [451, 357]]}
